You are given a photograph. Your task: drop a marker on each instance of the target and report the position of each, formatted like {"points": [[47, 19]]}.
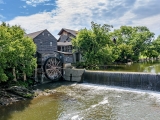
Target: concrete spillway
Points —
{"points": [[137, 80]]}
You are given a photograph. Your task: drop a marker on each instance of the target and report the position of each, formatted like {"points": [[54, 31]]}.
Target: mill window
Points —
{"points": [[50, 43]]}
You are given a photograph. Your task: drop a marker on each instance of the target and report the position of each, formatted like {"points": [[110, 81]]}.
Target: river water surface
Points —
{"points": [[72, 101], [147, 67]]}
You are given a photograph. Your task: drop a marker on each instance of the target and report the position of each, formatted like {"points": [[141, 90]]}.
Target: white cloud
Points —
{"points": [[153, 23], [68, 14], [35, 2], [34, 22], [77, 14], [141, 14]]}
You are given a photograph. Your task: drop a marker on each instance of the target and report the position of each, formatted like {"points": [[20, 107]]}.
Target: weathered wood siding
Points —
{"points": [[46, 42]]}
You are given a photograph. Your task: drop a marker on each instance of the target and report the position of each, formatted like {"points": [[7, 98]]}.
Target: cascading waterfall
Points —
{"points": [[147, 81]]}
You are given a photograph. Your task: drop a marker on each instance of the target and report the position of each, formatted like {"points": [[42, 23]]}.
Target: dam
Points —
{"points": [[137, 80], [101, 95]]}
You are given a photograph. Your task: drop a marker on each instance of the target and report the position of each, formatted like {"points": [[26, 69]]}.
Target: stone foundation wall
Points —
{"points": [[73, 74]]}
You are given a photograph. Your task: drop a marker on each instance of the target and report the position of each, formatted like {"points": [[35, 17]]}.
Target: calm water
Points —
{"points": [[71, 101], [150, 67]]}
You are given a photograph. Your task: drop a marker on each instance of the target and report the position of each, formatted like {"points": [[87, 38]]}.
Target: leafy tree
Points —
{"points": [[132, 41], [153, 49], [17, 51], [3, 43], [95, 45], [126, 53], [156, 44]]}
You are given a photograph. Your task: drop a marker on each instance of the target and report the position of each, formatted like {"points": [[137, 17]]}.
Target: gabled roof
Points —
{"points": [[63, 38], [73, 32], [34, 34]]}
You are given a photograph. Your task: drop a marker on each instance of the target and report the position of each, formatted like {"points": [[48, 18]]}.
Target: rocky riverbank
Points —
{"points": [[18, 93], [14, 94]]}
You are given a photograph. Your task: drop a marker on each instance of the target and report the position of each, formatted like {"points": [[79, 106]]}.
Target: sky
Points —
{"points": [[53, 15]]}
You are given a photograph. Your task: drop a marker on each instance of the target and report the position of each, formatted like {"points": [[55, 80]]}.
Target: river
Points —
{"points": [[147, 67], [83, 101], [72, 101]]}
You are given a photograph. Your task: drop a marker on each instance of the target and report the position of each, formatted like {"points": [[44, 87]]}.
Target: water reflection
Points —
{"points": [[7, 111], [153, 67]]}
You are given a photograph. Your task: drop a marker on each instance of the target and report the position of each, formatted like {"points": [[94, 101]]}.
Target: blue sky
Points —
{"points": [[35, 15]]}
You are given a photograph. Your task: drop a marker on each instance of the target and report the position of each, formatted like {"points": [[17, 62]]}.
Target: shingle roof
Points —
{"points": [[34, 34], [73, 32], [63, 38]]}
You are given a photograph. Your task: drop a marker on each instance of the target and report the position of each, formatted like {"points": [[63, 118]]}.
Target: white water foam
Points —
{"points": [[121, 89], [100, 103], [75, 117]]}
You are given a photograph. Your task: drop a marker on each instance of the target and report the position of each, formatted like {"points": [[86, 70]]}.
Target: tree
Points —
{"points": [[17, 51], [135, 40], [153, 49], [3, 43], [156, 44], [95, 45]]}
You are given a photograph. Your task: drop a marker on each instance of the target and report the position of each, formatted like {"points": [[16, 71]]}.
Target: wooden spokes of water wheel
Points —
{"points": [[53, 68]]}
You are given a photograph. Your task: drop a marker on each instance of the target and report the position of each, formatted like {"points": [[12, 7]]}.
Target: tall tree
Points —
{"points": [[135, 39], [156, 44], [153, 49], [95, 44], [4, 36], [18, 52]]}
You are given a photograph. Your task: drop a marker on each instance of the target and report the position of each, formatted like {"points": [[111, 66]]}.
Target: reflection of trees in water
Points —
{"points": [[153, 69], [157, 68], [7, 111], [147, 67], [136, 67]]}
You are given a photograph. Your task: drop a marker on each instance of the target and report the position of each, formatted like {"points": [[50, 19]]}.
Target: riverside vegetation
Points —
{"points": [[17, 63], [101, 46], [98, 46]]}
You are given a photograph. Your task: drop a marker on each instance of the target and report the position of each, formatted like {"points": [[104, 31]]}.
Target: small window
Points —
{"points": [[42, 33], [66, 59], [48, 34], [50, 43]]}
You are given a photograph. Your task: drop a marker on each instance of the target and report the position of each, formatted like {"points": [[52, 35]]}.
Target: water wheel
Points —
{"points": [[53, 68]]}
